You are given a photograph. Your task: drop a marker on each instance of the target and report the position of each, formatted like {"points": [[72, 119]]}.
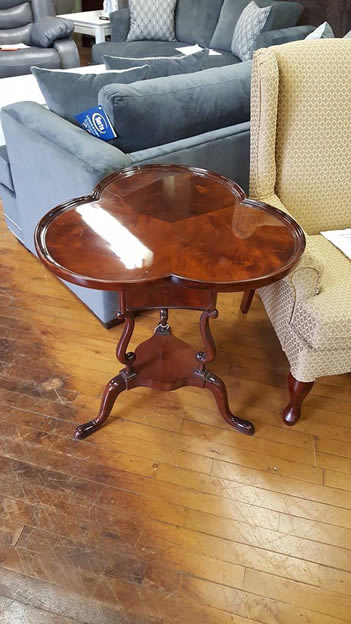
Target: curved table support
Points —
{"points": [[217, 387], [204, 357], [164, 362], [114, 387]]}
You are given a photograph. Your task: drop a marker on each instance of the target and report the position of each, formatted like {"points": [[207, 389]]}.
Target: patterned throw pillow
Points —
{"points": [[152, 20], [324, 31], [249, 25]]}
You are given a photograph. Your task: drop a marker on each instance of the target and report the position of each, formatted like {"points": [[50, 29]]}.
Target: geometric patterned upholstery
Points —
{"points": [[152, 20], [325, 321], [248, 27], [300, 146], [314, 133]]}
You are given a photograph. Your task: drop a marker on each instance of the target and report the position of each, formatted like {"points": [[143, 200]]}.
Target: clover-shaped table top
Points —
{"points": [[168, 223]]}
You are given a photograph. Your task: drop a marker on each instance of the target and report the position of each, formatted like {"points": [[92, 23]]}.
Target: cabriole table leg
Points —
{"points": [[164, 362]]}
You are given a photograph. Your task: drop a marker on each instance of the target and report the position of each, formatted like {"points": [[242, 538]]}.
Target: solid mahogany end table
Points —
{"points": [[167, 236]]}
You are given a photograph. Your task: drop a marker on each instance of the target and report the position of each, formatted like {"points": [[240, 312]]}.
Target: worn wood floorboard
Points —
{"points": [[165, 516]]}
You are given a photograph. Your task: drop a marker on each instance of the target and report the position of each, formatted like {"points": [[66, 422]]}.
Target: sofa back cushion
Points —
{"points": [[196, 20], [68, 93], [163, 110], [283, 15], [15, 21]]}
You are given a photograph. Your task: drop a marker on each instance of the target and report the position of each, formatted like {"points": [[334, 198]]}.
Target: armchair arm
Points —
{"points": [[283, 35], [120, 24], [68, 52], [305, 278], [49, 29]]}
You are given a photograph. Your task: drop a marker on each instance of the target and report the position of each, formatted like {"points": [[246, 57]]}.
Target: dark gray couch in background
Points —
{"points": [[35, 24], [208, 23]]}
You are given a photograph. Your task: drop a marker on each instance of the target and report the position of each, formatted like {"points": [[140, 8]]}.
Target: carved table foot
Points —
{"points": [[217, 387], [114, 387]]}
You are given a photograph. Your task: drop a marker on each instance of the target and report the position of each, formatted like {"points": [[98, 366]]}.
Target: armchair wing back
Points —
{"points": [[300, 146], [25, 22], [301, 102]]}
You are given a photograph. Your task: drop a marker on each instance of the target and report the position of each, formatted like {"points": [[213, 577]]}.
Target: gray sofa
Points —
{"points": [[35, 24], [48, 160], [208, 23]]}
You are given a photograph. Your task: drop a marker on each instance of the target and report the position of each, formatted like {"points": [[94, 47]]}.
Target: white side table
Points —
{"points": [[88, 23]]}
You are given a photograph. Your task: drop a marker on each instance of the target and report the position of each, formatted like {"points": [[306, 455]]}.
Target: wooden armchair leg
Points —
{"points": [[298, 391], [246, 301]]}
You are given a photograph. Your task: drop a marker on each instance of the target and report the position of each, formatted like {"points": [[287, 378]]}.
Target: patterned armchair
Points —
{"points": [[34, 23], [300, 163]]}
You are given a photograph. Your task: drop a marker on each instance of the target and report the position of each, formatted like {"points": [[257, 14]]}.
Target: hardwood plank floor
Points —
{"points": [[165, 516]]}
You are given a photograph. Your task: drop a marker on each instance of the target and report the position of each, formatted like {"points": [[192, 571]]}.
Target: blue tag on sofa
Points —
{"points": [[96, 122]]}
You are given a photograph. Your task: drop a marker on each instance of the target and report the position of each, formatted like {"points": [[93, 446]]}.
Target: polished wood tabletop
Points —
{"points": [[168, 236], [169, 223]]}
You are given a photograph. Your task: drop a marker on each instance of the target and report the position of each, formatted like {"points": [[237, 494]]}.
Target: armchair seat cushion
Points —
{"points": [[19, 62], [324, 321]]}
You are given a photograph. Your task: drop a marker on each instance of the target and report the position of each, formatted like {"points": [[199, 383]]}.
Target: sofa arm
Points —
{"points": [[51, 162], [68, 52], [88, 152], [48, 29], [284, 35], [120, 24]]}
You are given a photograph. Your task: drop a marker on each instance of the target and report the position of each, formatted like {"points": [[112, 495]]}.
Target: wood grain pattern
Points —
{"points": [[167, 516], [136, 220]]}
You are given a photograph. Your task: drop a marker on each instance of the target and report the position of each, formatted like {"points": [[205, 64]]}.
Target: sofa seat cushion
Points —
{"points": [[163, 110], [324, 321], [5, 171], [220, 58], [161, 66], [139, 49], [19, 62], [136, 49]]}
